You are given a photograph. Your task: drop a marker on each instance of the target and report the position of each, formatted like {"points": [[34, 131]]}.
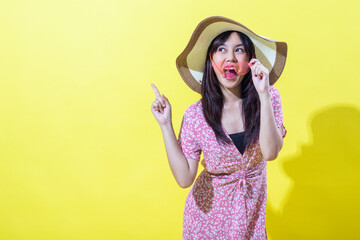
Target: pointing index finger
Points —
{"points": [[157, 93]]}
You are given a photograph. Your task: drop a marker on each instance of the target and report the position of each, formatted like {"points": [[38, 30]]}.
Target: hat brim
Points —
{"points": [[190, 63]]}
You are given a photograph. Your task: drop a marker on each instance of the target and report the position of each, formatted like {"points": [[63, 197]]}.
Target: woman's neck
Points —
{"points": [[231, 96]]}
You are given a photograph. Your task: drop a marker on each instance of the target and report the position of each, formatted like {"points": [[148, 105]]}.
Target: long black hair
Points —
{"points": [[213, 99]]}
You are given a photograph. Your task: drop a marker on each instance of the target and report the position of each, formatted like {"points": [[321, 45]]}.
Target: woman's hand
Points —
{"points": [[161, 108], [260, 76]]}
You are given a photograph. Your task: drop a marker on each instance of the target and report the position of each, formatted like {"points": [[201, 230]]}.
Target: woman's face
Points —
{"points": [[230, 62]]}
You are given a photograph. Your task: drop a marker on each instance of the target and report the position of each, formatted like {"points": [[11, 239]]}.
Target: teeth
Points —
{"points": [[229, 68]]}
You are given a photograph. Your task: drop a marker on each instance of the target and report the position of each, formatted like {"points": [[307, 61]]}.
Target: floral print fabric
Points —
{"points": [[228, 199]]}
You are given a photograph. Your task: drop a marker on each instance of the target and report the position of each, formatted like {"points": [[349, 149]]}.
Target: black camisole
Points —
{"points": [[239, 141]]}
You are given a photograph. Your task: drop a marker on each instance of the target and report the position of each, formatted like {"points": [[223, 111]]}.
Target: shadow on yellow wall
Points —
{"points": [[324, 202]]}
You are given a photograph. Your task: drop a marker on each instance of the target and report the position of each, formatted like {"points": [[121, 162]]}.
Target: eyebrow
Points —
{"points": [[239, 45]]}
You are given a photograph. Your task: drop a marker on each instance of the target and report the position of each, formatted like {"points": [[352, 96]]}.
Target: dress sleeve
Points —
{"points": [[277, 108], [187, 137]]}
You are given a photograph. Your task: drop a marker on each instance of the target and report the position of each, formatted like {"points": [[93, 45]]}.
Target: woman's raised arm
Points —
{"points": [[183, 169], [270, 137]]}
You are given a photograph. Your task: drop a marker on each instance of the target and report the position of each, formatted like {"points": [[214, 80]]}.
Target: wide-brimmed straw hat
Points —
{"points": [[190, 63]]}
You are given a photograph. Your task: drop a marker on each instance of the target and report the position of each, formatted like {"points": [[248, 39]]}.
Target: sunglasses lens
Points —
{"points": [[241, 68]]}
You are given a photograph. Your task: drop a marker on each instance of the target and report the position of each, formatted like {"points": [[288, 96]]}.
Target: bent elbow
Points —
{"points": [[184, 184], [271, 156]]}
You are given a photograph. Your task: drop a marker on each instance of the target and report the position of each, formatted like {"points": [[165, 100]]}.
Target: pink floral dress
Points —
{"points": [[228, 199]]}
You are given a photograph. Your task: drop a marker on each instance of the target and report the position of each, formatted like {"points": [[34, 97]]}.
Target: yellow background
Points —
{"points": [[81, 156]]}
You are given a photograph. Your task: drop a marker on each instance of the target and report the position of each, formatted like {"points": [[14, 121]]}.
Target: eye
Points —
{"points": [[239, 50], [221, 49]]}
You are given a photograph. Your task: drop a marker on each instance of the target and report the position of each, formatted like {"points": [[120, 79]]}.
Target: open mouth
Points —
{"points": [[230, 72]]}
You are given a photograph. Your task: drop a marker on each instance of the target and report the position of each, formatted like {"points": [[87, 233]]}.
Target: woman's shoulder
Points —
{"points": [[274, 92], [194, 109]]}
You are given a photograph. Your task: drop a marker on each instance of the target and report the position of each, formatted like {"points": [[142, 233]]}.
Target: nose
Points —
{"points": [[230, 57]]}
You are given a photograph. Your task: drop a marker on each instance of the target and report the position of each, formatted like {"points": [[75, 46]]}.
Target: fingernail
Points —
{"points": [[250, 64]]}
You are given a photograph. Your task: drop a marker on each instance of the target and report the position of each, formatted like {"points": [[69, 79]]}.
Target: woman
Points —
{"points": [[237, 125]]}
